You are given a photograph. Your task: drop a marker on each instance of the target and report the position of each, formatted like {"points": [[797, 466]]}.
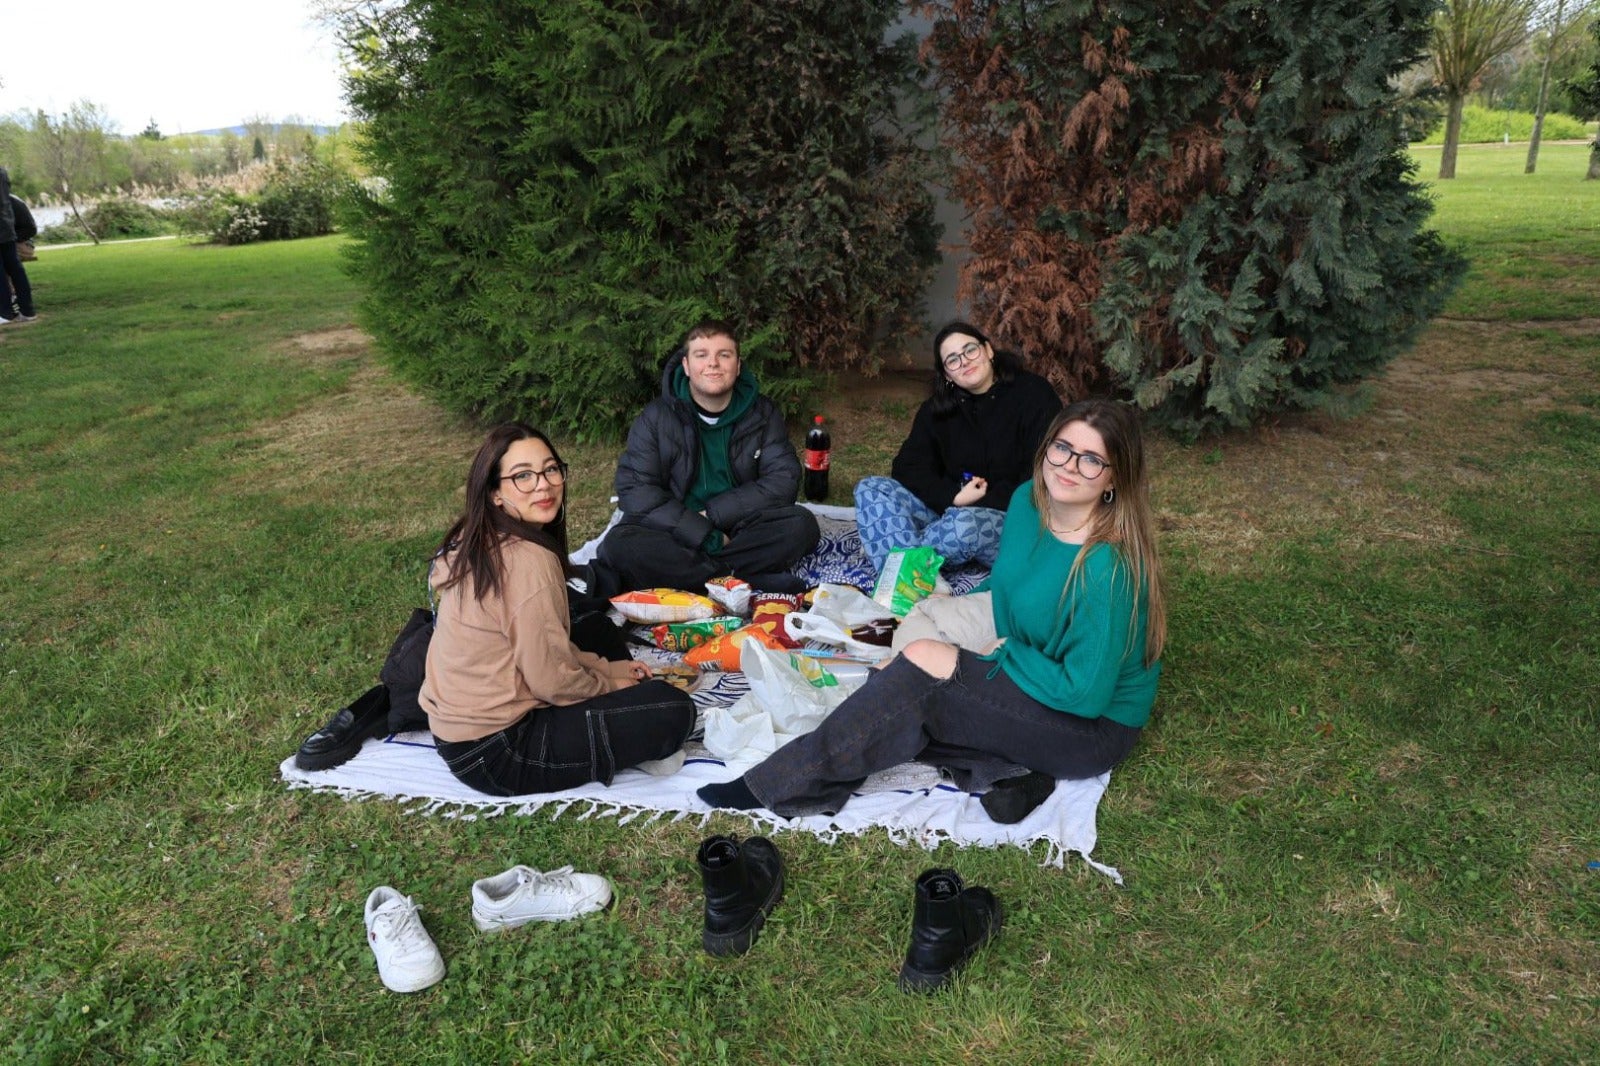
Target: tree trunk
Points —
{"points": [[1538, 114], [72, 202], [1452, 138]]}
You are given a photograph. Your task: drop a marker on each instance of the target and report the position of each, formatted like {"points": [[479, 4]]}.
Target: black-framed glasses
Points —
{"points": [[554, 475], [962, 355], [1061, 454]]}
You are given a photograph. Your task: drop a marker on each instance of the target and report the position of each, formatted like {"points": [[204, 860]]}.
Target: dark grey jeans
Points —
{"points": [[981, 729], [554, 748]]}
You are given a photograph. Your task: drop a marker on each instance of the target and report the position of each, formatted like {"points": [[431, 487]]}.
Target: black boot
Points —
{"points": [[743, 882], [339, 740], [948, 924]]}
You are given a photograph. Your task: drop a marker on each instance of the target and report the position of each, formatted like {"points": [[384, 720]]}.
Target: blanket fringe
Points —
{"points": [[929, 839]]}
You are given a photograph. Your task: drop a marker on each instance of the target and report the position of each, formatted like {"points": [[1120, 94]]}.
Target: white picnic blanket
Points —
{"points": [[909, 802]]}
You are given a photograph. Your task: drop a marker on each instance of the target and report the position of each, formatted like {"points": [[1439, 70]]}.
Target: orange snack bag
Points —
{"points": [[723, 652]]}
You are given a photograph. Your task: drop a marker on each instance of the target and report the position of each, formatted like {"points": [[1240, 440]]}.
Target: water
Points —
{"points": [[54, 216], [49, 216]]}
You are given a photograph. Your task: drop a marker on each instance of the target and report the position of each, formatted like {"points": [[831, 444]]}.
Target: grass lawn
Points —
{"points": [[1358, 829]]}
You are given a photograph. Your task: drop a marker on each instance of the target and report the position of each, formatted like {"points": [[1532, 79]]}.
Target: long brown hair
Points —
{"points": [[477, 535], [1126, 523]]}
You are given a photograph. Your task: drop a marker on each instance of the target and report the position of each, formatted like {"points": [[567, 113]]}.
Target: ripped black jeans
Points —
{"points": [[978, 728], [555, 748]]}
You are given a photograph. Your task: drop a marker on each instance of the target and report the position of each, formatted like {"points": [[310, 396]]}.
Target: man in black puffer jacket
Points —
{"points": [[708, 481]]}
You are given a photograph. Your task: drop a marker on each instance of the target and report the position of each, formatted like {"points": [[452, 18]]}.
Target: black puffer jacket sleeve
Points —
{"points": [[655, 471]]}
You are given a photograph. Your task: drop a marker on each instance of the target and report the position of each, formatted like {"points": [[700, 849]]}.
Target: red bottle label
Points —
{"points": [[816, 459]]}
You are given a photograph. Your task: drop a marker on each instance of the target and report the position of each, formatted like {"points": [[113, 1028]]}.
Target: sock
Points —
{"points": [[732, 795], [1012, 800]]}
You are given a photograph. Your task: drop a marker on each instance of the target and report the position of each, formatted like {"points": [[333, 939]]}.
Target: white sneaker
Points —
{"points": [[522, 895], [408, 959]]}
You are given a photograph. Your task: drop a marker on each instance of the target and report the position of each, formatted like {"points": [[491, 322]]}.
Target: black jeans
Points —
{"points": [[554, 748], [11, 264], [651, 558], [980, 728]]}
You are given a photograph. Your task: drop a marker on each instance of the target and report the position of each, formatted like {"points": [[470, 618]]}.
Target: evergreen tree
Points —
{"points": [[1205, 205], [1584, 92], [569, 185]]}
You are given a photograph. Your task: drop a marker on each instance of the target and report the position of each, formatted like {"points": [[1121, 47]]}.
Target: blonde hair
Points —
{"points": [[1126, 522]]}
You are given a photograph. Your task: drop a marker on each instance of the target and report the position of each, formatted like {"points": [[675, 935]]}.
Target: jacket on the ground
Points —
{"points": [[657, 468]]}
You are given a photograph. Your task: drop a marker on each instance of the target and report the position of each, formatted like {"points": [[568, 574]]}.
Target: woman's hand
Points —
{"points": [[971, 492], [630, 671]]}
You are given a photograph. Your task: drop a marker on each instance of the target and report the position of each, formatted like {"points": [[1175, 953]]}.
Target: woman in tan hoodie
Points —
{"points": [[514, 706]]}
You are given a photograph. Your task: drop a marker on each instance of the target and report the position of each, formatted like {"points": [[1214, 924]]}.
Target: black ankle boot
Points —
{"points": [[948, 924], [743, 882], [339, 740]]}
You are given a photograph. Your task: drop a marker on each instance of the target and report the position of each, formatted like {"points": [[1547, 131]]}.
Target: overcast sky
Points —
{"points": [[188, 64]]}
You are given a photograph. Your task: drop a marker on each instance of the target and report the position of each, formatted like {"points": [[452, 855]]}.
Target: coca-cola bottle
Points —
{"points": [[817, 448]]}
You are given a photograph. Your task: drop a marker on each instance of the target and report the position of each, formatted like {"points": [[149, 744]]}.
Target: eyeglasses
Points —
{"points": [[1060, 454], [528, 480], [962, 355]]}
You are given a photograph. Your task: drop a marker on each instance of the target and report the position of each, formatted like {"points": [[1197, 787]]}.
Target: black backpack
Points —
{"points": [[26, 228]]}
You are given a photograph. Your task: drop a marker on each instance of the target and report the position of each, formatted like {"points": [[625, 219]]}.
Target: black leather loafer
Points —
{"points": [[342, 737]]}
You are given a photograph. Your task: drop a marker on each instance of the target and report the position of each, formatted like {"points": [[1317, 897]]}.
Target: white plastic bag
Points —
{"points": [[809, 626], [845, 605], [782, 704]]}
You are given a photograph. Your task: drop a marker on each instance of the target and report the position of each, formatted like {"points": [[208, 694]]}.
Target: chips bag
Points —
{"points": [[732, 594], [909, 575], [649, 606], [682, 636], [723, 652]]}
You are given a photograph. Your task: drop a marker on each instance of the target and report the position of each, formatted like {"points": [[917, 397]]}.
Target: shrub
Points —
{"points": [[112, 220], [1204, 206], [297, 199], [569, 186], [1482, 125], [300, 199]]}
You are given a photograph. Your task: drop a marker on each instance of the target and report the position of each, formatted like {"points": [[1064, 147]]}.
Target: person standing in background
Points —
{"points": [[10, 261]]}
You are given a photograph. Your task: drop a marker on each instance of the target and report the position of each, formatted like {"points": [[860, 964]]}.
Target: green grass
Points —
{"points": [[1357, 829], [1534, 239]]}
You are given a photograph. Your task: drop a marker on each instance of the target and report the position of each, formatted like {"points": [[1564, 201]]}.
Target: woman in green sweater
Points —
{"points": [[1068, 683]]}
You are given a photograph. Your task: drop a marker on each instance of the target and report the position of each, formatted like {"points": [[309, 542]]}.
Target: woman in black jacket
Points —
{"points": [[971, 444]]}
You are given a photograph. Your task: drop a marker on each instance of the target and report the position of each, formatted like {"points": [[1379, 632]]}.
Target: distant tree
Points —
{"points": [[151, 132], [1468, 35], [233, 155], [1205, 205], [1557, 19], [1584, 91], [258, 151], [71, 151]]}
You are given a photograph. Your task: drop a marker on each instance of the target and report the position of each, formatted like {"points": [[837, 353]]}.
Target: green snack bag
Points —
{"points": [[683, 636], [909, 575]]}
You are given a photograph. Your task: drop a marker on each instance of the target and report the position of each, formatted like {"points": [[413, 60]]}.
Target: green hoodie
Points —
{"points": [[714, 471]]}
